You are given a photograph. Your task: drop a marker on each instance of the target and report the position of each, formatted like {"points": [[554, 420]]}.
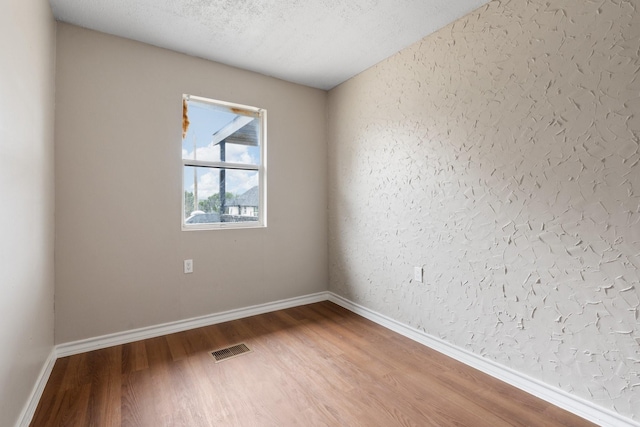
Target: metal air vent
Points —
{"points": [[229, 352]]}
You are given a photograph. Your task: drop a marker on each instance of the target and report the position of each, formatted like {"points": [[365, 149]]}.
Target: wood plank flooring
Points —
{"points": [[316, 365]]}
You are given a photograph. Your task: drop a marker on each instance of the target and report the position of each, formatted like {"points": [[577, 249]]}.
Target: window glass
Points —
{"points": [[223, 164]]}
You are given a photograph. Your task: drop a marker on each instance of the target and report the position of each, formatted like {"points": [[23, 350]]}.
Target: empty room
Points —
{"points": [[337, 213]]}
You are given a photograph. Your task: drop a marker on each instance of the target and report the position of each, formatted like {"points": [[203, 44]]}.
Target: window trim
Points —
{"points": [[260, 114]]}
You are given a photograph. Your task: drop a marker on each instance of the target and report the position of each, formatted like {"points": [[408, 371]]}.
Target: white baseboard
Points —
{"points": [[581, 407], [104, 341], [30, 408], [562, 399]]}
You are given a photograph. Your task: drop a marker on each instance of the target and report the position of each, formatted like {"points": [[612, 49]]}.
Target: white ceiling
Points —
{"points": [[318, 43]]}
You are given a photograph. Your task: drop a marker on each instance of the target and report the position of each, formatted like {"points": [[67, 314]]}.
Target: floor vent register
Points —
{"points": [[230, 352]]}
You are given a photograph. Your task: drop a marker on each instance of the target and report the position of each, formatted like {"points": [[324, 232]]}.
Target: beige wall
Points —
{"points": [[27, 50], [502, 154], [119, 247]]}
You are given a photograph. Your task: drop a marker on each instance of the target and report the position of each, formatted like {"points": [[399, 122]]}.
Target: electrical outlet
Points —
{"points": [[417, 274], [188, 266]]}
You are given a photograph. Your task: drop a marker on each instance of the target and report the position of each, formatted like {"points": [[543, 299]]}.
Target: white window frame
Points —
{"points": [[261, 115]]}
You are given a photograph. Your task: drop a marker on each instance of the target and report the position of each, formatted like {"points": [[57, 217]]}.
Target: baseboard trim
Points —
{"points": [[562, 399], [104, 341], [118, 338], [32, 403], [557, 397]]}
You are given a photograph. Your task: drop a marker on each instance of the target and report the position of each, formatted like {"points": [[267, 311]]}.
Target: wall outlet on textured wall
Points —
{"points": [[417, 274]]}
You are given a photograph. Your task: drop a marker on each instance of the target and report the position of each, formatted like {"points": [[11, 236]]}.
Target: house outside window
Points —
{"points": [[224, 165]]}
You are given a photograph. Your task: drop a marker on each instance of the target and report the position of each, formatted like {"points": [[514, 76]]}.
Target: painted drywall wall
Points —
{"points": [[27, 52], [502, 154], [119, 246]]}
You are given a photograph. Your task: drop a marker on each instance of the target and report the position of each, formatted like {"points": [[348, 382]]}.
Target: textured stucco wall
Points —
{"points": [[27, 66], [502, 154]]}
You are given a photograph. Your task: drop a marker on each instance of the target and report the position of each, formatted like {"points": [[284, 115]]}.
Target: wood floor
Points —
{"points": [[316, 365]]}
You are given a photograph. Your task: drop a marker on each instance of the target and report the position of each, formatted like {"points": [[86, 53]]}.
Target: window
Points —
{"points": [[224, 165]]}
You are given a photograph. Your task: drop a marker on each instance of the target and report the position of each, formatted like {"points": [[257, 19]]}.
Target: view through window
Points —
{"points": [[223, 158]]}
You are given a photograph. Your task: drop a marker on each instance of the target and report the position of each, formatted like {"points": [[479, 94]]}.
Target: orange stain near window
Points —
{"points": [[185, 118]]}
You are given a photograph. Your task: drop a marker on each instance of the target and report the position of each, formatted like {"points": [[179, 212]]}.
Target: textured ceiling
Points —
{"points": [[318, 43]]}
